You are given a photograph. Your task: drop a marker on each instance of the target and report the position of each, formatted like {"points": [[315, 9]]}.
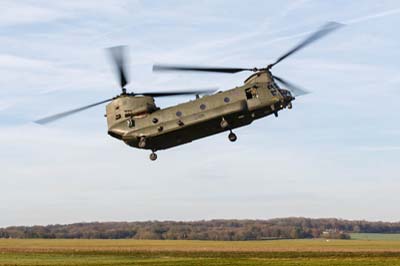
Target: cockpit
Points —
{"points": [[273, 87], [285, 93]]}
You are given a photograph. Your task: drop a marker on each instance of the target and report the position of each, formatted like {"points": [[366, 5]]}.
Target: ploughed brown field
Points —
{"points": [[170, 252]]}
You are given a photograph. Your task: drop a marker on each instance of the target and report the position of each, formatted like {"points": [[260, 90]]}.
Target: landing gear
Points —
{"points": [[153, 156], [290, 106], [232, 136], [224, 123], [276, 114], [142, 142]]}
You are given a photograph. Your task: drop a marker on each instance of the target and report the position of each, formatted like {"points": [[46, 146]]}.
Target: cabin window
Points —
{"points": [[251, 93], [179, 113], [202, 106], [155, 120], [118, 116], [227, 100]]}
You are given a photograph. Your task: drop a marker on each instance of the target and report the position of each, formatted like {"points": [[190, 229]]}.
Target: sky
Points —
{"points": [[335, 154]]}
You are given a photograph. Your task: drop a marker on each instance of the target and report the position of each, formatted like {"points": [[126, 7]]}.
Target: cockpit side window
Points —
{"points": [[272, 88]]}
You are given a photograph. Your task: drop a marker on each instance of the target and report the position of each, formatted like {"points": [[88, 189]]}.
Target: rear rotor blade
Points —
{"points": [[201, 69], [296, 90], [324, 30], [177, 93], [55, 117], [118, 55]]}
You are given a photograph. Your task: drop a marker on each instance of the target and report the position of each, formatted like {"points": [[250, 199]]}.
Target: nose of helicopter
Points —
{"points": [[291, 96], [287, 95]]}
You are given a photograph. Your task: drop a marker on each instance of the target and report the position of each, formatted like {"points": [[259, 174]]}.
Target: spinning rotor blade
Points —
{"points": [[201, 69], [296, 90], [55, 117], [176, 93], [118, 55], [324, 30]]}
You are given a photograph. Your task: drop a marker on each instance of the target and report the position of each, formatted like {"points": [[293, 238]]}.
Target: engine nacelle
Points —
{"points": [[125, 107]]}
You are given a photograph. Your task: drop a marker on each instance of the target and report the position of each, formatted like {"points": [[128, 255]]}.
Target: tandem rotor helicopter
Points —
{"points": [[135, 119]]}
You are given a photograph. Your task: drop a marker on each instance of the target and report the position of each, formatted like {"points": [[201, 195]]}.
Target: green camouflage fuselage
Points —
{"points": [[134, 118]]}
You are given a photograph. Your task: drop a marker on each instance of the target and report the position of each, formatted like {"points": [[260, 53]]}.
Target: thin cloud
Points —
{"points": [[348, 22], [373, 16]]}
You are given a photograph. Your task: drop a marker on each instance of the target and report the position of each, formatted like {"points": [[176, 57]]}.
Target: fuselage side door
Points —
{"points": [[253, 97]]}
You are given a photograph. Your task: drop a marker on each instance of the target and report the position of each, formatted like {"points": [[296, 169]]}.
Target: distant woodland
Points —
{"points": [[282, 228]]}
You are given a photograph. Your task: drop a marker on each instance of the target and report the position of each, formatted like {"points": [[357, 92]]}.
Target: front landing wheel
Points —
{"points": [[153, 156]]}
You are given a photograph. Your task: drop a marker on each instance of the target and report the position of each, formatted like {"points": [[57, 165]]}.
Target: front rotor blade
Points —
{"points": [[177, 93], [324, 30], [296, 90], [52, 118], [118, 55], [201, 69]]}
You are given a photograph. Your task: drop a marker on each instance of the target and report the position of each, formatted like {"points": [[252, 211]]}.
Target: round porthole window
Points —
{"points": [[179, 113], [227, 100], [202, 106], [155, 120]]}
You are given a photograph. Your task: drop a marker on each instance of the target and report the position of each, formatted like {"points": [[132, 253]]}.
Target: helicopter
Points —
{"points": [[135, 119]]}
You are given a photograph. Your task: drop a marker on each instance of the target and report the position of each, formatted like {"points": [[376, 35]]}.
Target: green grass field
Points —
{"points": [[147, 252], [364, 236]]}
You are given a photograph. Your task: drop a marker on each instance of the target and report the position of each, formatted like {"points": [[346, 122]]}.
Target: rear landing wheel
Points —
{"points": [[232, 137], [153, 156]]}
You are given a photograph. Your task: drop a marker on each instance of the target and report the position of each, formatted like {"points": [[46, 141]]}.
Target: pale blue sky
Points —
{"points": [[335, 154]]}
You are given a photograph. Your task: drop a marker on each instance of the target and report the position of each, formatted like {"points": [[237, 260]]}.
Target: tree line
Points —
{"points": [[280, 228]]}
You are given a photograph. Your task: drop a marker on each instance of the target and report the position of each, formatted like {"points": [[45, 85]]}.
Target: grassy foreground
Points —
{"points": [[147, 252]]}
